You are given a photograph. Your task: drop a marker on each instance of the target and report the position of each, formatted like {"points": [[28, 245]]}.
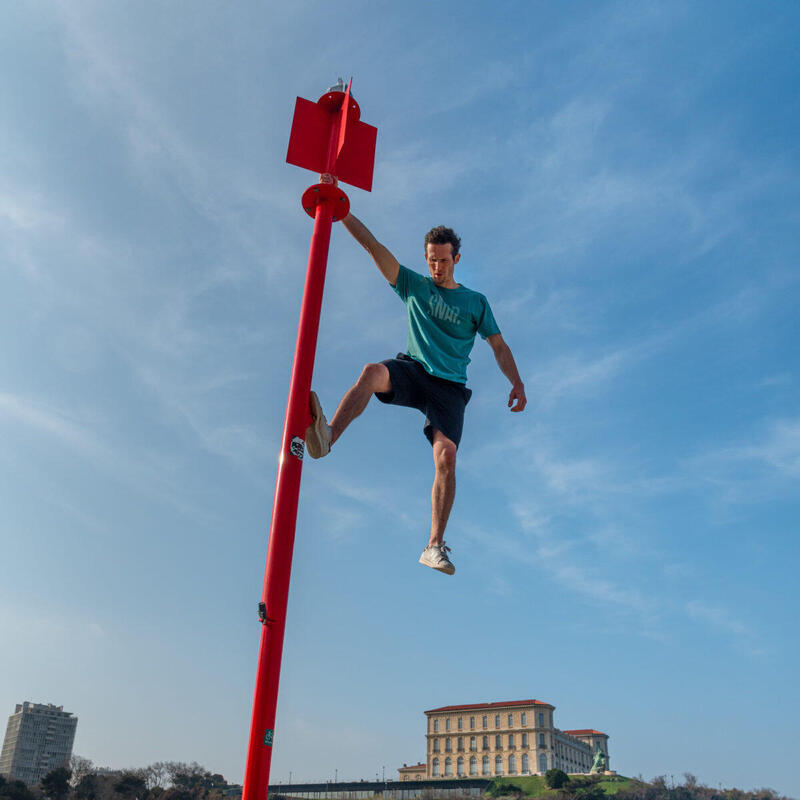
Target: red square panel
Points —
{"points": [[310, 139]]}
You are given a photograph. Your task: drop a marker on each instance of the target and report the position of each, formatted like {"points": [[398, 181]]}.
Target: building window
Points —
{"points": [[486, 765], [524, 739], [485, 721], [436, 726], [523, 719], [473, 745], [447, 724], [541, 719], [542, 763], [472, 723], [435, 767], [512, 765], [510, 720], [473, 766], [511, 740], [460, 767], [541, 740], [448, 766], [497, 720], [459, 723], [498, 745], [525, 764], [460, 744], [498, 765], [485, 742], [435, 745], [448, 746]]}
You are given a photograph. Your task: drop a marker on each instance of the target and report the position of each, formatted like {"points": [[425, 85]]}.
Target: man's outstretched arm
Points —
{"points": [[505, 360], [383, 259]]}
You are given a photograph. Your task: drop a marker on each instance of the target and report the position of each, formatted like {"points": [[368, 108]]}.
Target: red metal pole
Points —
{"points": [[284, 511], [317, 142]]}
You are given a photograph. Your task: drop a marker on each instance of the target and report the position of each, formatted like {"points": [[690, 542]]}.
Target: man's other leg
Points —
{"points": [[374, 378], [442, 496], [444, 485]]}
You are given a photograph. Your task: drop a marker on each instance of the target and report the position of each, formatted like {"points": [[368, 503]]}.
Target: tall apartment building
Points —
{"points": [[517, 737], [38, 739]]}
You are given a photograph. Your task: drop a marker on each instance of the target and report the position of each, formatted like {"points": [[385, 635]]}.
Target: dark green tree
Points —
{"points": [[131, 786], [86, 788], [176, 793], [556, 778], [590, 793], [15, 790], [55, 785]]}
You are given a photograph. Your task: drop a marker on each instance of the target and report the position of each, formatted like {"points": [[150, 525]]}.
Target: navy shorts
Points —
{"points": [[441, 401]]}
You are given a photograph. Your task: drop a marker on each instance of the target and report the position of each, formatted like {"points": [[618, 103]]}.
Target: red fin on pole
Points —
{"points": [[343, 123], [311, 136]]}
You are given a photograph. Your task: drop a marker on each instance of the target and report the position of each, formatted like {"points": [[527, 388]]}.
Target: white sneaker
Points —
{"points": [[318, 433], [435, 556]]}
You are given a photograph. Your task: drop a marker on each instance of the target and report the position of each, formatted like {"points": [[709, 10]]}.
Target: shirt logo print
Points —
{"points": [[438, 309]]}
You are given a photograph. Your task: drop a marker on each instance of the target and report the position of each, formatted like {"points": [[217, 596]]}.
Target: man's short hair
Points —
{"points": [[442, 235]]}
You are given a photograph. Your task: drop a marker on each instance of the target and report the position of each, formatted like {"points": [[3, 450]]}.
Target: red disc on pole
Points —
{"points": [[326, 192]]}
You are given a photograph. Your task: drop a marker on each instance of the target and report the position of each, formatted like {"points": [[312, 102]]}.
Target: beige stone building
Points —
{"points": [[517, 737], [415, 772]]}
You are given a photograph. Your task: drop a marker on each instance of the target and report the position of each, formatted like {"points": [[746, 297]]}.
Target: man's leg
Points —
{"points": [[444, 485], [442, 496], [374, 378]]}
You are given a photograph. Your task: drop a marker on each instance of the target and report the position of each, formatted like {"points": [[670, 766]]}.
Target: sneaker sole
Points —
{"points": [[445, 570], [314, 440]]}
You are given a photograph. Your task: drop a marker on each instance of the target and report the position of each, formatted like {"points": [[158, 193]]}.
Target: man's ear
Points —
{"points": [[456, 258]]}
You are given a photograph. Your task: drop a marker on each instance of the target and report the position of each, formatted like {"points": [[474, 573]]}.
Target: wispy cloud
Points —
{"points": [[146, 470], [52, 422], [725, 622], [588, 565], [585, 522], [767, 466], [22, 628]]}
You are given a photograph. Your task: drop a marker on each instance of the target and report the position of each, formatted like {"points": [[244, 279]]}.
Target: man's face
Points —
{"points": [[441, 264]]}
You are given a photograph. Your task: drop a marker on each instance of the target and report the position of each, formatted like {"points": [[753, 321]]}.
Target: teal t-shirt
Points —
{"points": [[442, 323]]}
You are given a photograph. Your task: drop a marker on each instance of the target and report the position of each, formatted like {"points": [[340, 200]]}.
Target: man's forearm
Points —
{"points": [[505, 360], [516, 398]]}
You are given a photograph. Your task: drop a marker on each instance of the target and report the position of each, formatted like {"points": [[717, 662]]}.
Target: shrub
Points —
{"points": [[556, 778], [502, 789]]}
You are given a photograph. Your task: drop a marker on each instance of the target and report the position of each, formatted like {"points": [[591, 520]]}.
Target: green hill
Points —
{"points": [[534, 785]]}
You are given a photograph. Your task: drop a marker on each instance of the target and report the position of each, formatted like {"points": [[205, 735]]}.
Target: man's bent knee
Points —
{"points": [[375, 377], [444, 453]]}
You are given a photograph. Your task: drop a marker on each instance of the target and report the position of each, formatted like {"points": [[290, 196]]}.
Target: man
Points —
{"points": [[443, 318]]}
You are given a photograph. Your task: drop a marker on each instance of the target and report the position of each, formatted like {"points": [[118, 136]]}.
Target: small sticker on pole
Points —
{"points": [[269, 735], [297, 447]]}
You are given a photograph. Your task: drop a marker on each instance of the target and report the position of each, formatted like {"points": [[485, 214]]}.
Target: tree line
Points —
{"points": [[177, 780], [82, 780]]}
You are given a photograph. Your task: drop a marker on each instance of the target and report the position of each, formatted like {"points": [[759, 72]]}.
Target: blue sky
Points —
{"points": [[624, 176]]}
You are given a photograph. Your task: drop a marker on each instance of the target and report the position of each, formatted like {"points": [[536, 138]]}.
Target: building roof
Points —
{"points": [[492, 705], [586, 732], [421, 765]]}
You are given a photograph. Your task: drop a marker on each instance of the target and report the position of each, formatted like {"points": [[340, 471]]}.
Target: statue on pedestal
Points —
{"points": [[600, 763]]}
